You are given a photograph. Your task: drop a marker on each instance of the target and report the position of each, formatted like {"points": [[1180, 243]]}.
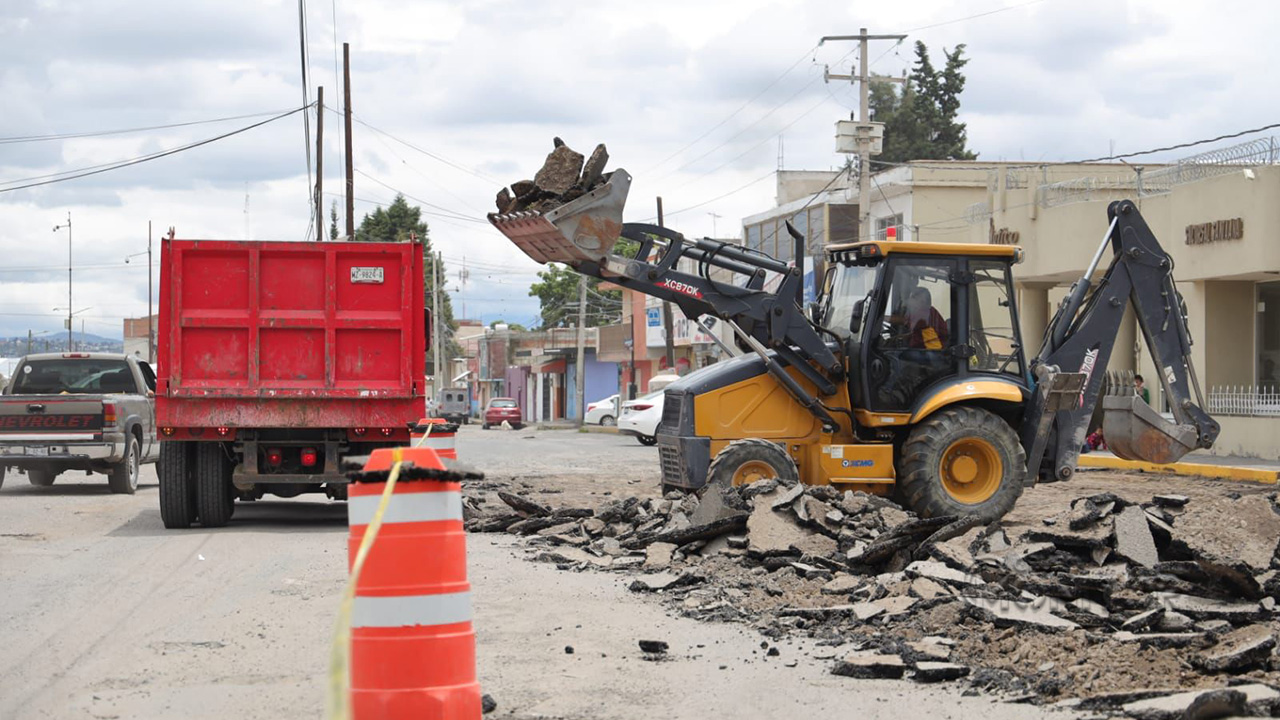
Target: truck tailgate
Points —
{"points": [[49, 418], [288, 334]]}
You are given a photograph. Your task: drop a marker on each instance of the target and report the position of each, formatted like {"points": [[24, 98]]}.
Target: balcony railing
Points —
{"points": [[1245, 400]]}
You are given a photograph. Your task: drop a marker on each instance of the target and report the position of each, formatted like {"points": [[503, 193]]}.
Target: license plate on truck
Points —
{"points": [[370, 275], [37, 450]]}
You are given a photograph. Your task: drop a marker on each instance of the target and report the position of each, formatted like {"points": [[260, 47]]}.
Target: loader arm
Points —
{"points": [[1081, 337], [583, 234]]}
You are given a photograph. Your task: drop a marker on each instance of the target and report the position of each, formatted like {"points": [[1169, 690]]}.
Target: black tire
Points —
{"points": [[123, 479], [215, 500], [647, 440], [177, 484], [608, 421], [745, 461], [41, 478], [993, 460], [2, 469], [485, 426]]}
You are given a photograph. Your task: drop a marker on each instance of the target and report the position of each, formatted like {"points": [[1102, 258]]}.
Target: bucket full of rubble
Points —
{"points": [[570, 212]]}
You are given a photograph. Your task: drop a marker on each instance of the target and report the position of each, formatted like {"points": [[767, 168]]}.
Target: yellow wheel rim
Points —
{"points": [[752, 471], [971, 470]]}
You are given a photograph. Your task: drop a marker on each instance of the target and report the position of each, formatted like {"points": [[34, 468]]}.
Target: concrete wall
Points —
{"points": [[601, 381], [1228, 340], [1247, 437]]}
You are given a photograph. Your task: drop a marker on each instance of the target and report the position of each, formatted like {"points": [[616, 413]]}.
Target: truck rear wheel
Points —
{"points": [[177, 486], [2, 469], [124, 476], [962, 461], [41, 478], [214, 499]]}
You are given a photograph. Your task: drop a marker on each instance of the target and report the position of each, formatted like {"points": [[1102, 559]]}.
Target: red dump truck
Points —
{"points": [[277, 360]]}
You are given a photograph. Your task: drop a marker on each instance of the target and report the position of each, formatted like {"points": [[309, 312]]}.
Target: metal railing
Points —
{"points": [[1223, 161], [1249, 401]]}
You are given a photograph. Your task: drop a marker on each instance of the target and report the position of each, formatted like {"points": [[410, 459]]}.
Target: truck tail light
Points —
{"points": [[75, 355], [386, 432], [275, 457], [108, 414], [168, 432], [359, 431], [309, 457], [224, 431]]}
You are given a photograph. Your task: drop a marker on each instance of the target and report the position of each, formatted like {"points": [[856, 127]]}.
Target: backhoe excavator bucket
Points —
{"points": [[584, 229], [1133, 430]]}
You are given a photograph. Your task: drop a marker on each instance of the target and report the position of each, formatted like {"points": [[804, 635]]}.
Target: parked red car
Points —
{"points": [[500, 409]]}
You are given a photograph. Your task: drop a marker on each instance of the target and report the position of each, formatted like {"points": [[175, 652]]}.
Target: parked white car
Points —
{"points": [[640, 417], [603, 412]]}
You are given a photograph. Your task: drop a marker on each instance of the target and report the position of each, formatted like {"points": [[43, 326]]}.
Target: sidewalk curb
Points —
{"points": [[1221, 472]]}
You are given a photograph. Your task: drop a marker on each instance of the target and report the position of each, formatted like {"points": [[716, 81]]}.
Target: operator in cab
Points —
{"points": [[928, 327]]}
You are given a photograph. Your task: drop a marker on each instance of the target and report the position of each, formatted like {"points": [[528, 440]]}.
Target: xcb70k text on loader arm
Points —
{"points": [[908, 374]]}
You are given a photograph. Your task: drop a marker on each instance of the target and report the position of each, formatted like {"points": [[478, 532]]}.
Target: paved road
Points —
{"points": [[104, 614]]}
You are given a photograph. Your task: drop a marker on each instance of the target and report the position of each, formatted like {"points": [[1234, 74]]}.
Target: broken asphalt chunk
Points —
{"points": [[870, 665]]}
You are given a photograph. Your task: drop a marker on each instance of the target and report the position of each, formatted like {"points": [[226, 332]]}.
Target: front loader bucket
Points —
{"points": [[1134, 431], [584, 229]]}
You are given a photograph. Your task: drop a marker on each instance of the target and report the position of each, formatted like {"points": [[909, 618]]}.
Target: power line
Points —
{"points": [[451, 213], [128, 131], [428, 153], [973, 17], [95, 170], [719, 197]]}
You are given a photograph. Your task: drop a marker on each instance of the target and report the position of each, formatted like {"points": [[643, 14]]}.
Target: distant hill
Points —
{"points": [[87, 342]]}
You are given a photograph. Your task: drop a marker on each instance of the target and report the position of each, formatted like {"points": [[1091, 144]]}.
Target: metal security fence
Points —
{"points": [[1245, 400]]}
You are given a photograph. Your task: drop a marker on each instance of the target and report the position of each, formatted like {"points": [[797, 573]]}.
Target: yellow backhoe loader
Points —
{"points": [[909, 373]]}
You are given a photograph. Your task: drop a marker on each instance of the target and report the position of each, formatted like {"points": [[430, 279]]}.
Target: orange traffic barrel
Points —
{"points": [[413, 650], [439, 436]]}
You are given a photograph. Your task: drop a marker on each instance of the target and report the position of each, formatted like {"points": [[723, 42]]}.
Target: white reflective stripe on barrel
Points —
{"points": [[406, 507], [437, 442], [409, 610]]}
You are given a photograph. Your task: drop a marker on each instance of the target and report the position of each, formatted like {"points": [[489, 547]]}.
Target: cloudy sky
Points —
{"points": [[455, 99]]}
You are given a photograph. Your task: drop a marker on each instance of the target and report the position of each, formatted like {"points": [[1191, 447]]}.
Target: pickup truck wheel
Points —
{"points": [[2, 468], [214, 501], [124, 476], [41, 478], [177, 489]]}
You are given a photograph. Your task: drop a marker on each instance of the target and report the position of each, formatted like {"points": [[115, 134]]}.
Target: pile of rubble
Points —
{"points": [[565, 176], [1107, 596]]}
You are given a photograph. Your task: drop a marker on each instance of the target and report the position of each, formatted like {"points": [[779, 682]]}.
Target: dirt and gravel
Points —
{"points": [[105, 614], [1108, 590]]}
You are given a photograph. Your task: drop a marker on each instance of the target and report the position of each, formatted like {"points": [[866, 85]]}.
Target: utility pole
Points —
{"points": [[436, 320], [580, 382], [320, 164], [56, 228], [864, 127], [666, 315], [151, 323], [346, 111]]}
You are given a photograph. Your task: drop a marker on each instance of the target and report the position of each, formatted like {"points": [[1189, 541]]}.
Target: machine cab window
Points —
{"points": [[910, 345]]}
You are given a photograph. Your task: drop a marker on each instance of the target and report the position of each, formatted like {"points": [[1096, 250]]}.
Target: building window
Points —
{"points": [[843, 223], [753, 237], [769, 236], [1268, 334], [883, 224]]}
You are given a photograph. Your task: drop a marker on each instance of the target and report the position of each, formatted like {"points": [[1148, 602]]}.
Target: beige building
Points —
{"points": [[1218, 216]]}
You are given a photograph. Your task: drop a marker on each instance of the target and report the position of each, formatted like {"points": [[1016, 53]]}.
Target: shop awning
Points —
{"points": [[554, 367]]}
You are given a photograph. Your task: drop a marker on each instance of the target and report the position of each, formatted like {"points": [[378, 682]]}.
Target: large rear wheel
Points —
{"points": [[215, 500], [962, 461], [177, 484]]}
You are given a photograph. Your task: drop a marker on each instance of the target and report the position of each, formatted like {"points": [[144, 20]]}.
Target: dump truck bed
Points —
{"points": [[290, 335]]}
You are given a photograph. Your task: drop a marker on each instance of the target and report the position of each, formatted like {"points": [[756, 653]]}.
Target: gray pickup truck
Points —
{"points": [[79, 411]]}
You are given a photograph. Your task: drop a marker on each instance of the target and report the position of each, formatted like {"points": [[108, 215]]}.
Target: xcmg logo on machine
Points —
{"points": [[682, 288], [857, 463]]}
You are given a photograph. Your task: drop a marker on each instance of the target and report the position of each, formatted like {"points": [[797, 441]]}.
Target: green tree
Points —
{"points": [[401, 222], [920, 121], [557, 292], [333, 221]]}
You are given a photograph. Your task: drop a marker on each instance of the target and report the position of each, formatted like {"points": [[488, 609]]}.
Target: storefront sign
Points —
{"points": [[1004, 236], [1210, 232]]}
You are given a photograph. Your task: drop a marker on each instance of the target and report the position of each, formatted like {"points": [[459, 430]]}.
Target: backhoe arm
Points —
{"points": [[1082, 335]]}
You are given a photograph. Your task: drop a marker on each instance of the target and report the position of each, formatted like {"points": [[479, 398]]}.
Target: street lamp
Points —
{"points": [[56, 228], [70, 314], [151, 330]]}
